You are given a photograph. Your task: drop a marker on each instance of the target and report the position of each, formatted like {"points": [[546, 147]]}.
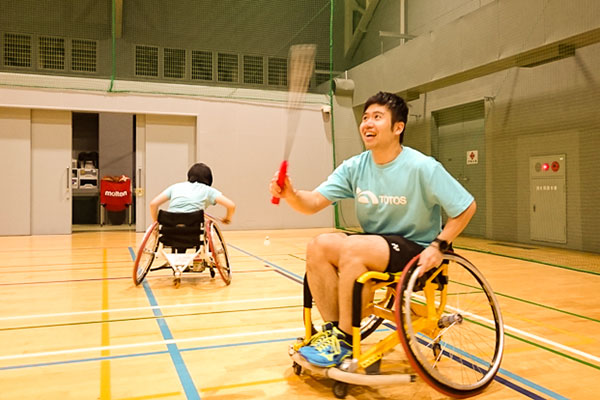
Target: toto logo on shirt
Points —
{"points": [[115, 193]]}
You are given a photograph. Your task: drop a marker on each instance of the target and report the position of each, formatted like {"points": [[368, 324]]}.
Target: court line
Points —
{"points": [[146, 344], [530, 335], [114, 310], [174, 341], [506, 327], [584, 271], [288, 273], [283, 271], [516, 377], [105, 334], [130, 319], [180, 367], [96, 279], [523, 300]]}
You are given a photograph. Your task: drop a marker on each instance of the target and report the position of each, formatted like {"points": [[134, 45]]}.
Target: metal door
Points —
{"points": [[51, 136], [548, 200], [460, 147]]}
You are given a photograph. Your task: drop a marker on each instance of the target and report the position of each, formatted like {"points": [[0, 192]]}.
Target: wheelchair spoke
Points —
{"points": [[460, 353], [146, 254], [218, 251]]}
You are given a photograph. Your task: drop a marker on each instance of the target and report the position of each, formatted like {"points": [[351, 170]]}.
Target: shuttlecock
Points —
{"points": [[267, 241]]}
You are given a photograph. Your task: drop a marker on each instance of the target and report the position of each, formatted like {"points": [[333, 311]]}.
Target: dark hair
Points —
{"points": [[200, 173], [395, 104]]}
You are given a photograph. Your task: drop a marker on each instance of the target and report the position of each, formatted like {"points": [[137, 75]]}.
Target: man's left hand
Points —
{"points": [[429, 258]]}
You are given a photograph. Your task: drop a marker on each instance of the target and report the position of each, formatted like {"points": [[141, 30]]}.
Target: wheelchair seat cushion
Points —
{"points": [[181, 230]]}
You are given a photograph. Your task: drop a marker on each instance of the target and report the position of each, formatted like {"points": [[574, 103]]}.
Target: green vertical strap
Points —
{"points": [[336, 209], [114, 51]]}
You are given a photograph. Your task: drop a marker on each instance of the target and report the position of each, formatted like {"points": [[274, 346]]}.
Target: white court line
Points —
{"points": [[133, 345], [523, 333], [149, 308]]}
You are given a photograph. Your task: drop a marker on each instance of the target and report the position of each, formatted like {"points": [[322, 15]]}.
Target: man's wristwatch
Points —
{"points": [[442, 245]]}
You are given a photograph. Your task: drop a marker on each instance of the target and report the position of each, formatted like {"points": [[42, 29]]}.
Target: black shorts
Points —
{"points": [[402, 251]]}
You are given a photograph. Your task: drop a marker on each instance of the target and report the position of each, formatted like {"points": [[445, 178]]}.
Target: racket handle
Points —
{"points": [[280, 179]]}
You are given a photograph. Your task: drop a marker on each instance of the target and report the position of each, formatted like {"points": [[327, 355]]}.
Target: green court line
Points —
{"points": [[533, 303], [532, 343], [572, 358], [518, 299], [15, 328], [529, 260]]}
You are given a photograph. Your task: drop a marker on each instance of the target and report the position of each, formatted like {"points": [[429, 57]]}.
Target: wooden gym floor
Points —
{"points": [[74, 326]]}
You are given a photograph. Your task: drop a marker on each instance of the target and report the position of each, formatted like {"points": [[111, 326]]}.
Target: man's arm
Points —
{"points": [[303, 201], [432, 256]]}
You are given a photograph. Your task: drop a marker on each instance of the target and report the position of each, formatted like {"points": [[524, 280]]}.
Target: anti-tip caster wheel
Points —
{"points": [[340, 389], [297, 368]]}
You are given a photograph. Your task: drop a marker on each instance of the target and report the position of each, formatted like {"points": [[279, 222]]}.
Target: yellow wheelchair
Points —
{"points": [[180, 232], [448, 323]]}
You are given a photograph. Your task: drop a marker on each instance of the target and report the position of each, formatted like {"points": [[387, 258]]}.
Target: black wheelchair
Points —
{"points": [[448, 323], [180, 232]]}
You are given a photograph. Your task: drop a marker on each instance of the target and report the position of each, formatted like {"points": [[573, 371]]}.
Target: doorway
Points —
{"points": [[459, 144], [103, 150]]}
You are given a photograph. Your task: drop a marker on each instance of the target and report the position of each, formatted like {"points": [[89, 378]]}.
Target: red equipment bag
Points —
{"points": [[115, 195]]}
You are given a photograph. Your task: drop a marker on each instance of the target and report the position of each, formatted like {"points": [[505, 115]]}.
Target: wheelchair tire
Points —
{"points": [[218, 250], [460, 352], [369, 324], [146, 253]]}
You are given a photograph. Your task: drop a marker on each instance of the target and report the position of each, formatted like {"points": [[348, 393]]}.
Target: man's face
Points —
{"points": [[376, 128]]}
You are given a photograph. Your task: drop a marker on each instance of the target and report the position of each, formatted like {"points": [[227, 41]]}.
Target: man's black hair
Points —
{"points": [[395, 104], [201, 173]]}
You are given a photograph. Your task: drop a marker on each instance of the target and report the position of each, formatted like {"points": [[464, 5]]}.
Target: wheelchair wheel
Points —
{"points": [[450, 327], [146, 253], [219, 251], [369, 324]]}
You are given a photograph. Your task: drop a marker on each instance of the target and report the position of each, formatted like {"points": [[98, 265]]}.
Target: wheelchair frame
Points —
{"points": [[430, 322], [211, 254]]}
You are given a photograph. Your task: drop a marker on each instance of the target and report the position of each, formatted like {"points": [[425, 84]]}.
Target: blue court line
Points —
{"points": [[186, 380], [154, 353], [508, 373], [182, 371]]}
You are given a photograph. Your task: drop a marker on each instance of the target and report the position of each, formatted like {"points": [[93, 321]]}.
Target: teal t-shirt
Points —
{"points": [[404, 197], [189, 197]]}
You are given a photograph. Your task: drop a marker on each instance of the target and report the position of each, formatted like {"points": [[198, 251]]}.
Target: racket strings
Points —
{"points": [[301, 66]]}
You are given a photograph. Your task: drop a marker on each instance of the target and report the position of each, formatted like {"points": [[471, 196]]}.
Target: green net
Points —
{"points": [[199, 48], [503, 93]]}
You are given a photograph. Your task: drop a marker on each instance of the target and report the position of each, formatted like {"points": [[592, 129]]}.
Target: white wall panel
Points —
{"points": [[15, 161]]}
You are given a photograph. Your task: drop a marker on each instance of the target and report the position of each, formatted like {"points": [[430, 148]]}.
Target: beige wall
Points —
{"points": [[15, 164]]}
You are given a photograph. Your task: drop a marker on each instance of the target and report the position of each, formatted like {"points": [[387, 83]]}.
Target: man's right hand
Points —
{"points": [[281, 192]]}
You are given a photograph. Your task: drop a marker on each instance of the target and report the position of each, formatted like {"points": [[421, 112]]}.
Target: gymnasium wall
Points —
{"points": [[536, 69], [242, 142]]}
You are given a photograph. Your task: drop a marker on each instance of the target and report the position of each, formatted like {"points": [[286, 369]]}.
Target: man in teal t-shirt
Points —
{"points": [[399, 196]]}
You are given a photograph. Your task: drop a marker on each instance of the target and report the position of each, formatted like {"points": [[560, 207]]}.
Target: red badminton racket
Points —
{"points": [[301, 64]]}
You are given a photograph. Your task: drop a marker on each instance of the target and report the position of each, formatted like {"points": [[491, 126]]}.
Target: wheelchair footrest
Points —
{"points": [[353, 378]]}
